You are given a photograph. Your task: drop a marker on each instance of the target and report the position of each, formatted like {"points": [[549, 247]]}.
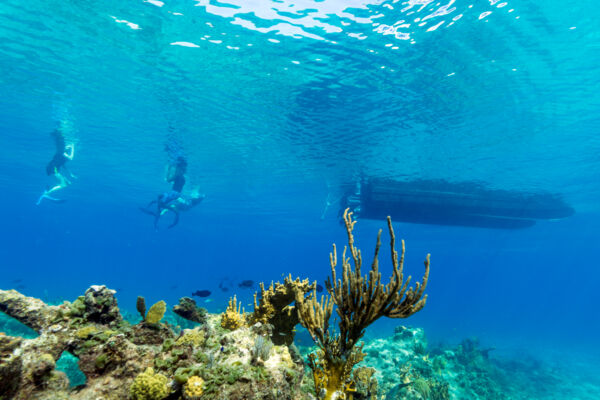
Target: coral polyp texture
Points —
{"points": [[192, 390], [360, 301], [149, 386]]}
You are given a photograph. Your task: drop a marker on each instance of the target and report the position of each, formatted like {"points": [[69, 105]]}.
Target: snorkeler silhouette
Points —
{"points": [[177, 205], [56, 166], [173, 200]]}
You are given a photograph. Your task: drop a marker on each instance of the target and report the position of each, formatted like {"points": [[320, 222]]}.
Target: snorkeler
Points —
{"points": [[173, 200], [177, 205], [176, 173], [56, 166]]}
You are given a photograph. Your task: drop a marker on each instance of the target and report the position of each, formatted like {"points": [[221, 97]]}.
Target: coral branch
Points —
{"points": [[275, 307], [360, 301]]}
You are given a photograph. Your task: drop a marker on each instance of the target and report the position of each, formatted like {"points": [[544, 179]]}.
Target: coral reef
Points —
{"points": [[117, 360], [275, 307], [360, 301], [233, 317], [143, 361]]}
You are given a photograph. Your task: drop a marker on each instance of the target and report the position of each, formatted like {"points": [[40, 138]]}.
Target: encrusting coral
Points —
{"points": [[275, 307], [360, 301]]}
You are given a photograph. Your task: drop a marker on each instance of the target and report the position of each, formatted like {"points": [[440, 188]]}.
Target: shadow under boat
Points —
{"points": [[445, 203]]}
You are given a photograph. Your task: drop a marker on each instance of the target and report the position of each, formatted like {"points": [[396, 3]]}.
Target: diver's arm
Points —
{"points": [[69, 151]]}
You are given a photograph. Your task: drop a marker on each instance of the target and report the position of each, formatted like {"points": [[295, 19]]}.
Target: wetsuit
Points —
{"points": [[59, 159]]}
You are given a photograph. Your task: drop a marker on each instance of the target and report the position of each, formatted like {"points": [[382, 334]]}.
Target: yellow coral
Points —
{"points": [[275, 307], [194, 337], [149, 386], [360, 300], [233, 317], [192, 390], [156, 312]]}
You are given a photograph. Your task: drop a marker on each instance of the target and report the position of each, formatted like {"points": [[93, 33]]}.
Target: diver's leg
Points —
{"points": [[64, 182], [46, 195], [69, 172], [53, 189], [147, 209], [42, 197], [176, 220]]}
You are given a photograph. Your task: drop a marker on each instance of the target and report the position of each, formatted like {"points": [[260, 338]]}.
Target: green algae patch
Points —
{"points": [[86, 331]]}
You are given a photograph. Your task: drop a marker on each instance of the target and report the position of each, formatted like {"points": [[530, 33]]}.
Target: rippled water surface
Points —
{"points": [[278, 106]]}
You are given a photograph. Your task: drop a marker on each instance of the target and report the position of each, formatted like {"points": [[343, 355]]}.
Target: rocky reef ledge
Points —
{"points": [[143, 361]]}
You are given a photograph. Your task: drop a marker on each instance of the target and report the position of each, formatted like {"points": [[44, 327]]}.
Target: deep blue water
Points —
{"points": [[279, 105]]}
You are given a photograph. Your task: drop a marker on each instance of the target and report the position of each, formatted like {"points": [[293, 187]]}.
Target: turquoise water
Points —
{"points": [[278, 106]]}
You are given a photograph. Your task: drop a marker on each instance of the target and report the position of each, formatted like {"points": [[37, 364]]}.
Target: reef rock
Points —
{"points": [[143, 361]]}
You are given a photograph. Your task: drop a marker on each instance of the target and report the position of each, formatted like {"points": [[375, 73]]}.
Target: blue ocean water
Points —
{"points": [[280, 105]]}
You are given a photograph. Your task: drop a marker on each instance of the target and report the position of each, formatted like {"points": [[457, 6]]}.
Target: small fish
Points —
{"points": [[224, 285], [17, 280], [208, 300], [202, 293], [20, 287], [174, 287], [319, 288], [246, 284]]}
